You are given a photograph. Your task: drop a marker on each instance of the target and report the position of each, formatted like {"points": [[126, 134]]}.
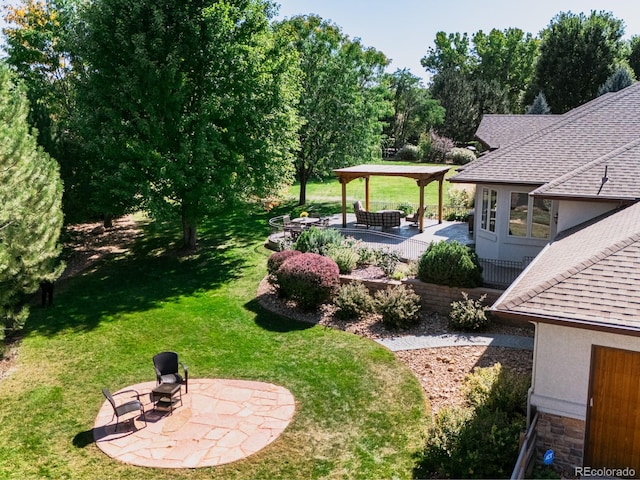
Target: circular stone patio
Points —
{"points": [[219, 421]]}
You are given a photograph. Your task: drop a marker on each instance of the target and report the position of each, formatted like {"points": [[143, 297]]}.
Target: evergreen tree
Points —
{"points": [[618, 80], [539, 105], [31, 213]]}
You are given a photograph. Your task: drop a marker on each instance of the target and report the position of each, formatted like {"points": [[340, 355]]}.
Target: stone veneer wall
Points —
{"points": [[563, 435], [435, 298]]}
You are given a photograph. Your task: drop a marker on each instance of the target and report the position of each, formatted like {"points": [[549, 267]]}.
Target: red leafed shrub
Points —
{"points": [[277, 259], [309, 279]]}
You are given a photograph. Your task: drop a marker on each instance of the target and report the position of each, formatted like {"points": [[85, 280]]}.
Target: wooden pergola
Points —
{"points": [[422, 175]]}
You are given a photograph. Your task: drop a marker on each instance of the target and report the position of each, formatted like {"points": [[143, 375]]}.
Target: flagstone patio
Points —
{"points": [[220, 421]]}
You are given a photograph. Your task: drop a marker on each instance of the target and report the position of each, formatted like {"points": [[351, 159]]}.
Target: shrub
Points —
{"points": [[406, 208], [450, 263], [424, 146], [366, 256], [387, 260], [497, 388], [469, 315], [439, 147], [318, 240], [399, 307], [278, 258], [480, 440], [309, 279], [353, 301], [345, 256], [460, 156], [409, 153]]}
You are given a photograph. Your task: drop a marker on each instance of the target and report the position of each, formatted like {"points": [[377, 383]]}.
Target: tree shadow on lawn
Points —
{"points": [[273, 322], [154, 271]]}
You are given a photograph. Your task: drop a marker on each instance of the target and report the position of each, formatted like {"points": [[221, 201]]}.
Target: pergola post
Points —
{"points": [[421, 207], [440, 200], [366, 193], [343, 183]]}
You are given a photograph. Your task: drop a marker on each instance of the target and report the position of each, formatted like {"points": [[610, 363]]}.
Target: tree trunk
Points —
{"points": [[189, 227], [108, 220], [189, 235], [302, 199]]}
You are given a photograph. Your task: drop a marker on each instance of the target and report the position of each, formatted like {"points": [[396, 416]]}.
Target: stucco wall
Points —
{"points": [[571, 213], [562, 360]]}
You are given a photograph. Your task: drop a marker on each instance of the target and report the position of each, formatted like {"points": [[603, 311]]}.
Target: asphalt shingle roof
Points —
{"points": [[497, 131], [578, 137], [589, 274]]}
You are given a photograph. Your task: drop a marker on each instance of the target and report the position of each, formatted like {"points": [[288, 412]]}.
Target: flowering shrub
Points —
{"points": [[353, 301], [469, 314], [399, 307], [309, 279]]}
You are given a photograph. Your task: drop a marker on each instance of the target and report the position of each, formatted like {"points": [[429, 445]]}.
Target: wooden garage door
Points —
{"points": [[613, 412]]}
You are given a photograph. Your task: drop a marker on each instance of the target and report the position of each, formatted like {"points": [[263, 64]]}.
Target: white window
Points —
{"points": [[489, 202], [529, 217]]}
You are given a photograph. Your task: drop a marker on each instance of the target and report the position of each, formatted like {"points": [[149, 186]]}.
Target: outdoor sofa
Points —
{"points": [[384, 219]]}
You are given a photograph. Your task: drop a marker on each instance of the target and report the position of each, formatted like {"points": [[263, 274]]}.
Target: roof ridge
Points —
{"points": [[571, 271], [563, 119], [573, 173]]}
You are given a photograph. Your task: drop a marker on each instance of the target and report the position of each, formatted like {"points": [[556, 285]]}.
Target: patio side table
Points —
{"points": [[165, 396]]}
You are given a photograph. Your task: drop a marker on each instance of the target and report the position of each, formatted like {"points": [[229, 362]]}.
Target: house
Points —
{"points": [[564, 190], [582, 293], [552, 172]]}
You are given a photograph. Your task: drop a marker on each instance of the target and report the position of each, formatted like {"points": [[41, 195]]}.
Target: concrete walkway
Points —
{"points": [[412, 342], [219, 421]]}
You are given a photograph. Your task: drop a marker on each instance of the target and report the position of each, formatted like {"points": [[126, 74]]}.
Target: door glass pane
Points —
{"points": [[541, 220], [518, 214], [492, 212], [485, 208]]}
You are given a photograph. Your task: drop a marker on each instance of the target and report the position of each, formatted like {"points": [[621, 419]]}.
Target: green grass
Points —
{"points": [[389, 191], [359, 412]]}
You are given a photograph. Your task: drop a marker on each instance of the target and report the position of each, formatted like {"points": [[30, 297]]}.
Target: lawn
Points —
{"points": [[385, 192], [359, 412]]}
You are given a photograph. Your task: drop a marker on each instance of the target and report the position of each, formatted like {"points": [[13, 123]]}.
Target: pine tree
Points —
{"points": [[30, 208], [539, 105]]}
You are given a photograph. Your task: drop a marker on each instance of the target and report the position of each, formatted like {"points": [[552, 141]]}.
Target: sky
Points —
{"points": [[405, 29]]}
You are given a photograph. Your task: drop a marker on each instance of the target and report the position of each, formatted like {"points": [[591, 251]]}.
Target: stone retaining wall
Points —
{"points": [[435, 298]]}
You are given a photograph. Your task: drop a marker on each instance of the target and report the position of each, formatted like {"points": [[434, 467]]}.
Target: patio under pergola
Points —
{"points": [[423, 176]]}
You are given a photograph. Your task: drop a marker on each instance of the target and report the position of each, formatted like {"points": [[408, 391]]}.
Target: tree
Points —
{"points": [[451, 52], [618, 80], [414, 111], [539, 105], [39, 43], [187, 106], [341, 101], [634, 55], [455, 93], [577, 55], [31, 214], [507, 58]]}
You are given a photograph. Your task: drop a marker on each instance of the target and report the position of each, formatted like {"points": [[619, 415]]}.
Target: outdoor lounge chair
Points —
{"points": [[414, 219], [125, 408], [166, 366]]}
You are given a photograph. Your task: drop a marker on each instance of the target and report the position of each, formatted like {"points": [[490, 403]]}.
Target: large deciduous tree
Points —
{"points": [[341, 101], [577, 55], [188, 106], [414, 111], [39, 42], [30, 212]]}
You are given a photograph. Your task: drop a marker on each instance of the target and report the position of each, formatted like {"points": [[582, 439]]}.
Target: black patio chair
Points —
{"points": [[166, 366], [126, 407]]}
